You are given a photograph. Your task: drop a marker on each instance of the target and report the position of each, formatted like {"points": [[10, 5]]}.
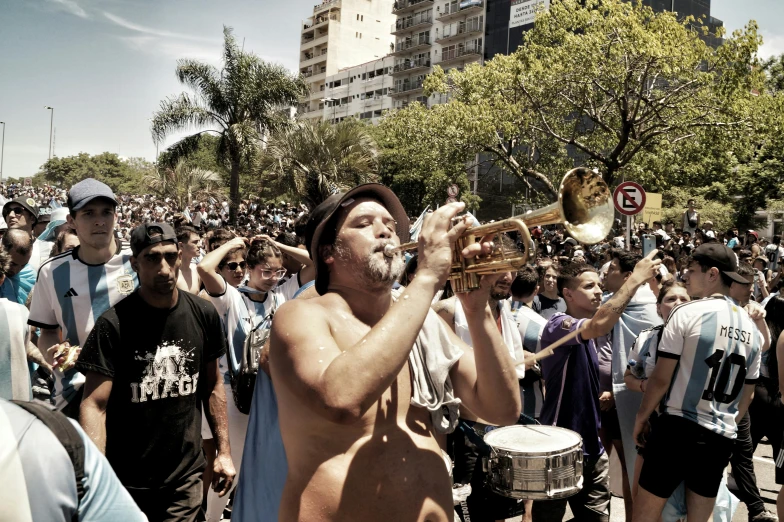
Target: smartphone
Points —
{"points": [[648, 244]]}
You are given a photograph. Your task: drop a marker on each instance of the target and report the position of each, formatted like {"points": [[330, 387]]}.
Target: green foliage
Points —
{"points": [[313, 160], [184, 183], [421, 155], [607, 84], [774, 73], [123, 176], [713, 203], [239, 104]]}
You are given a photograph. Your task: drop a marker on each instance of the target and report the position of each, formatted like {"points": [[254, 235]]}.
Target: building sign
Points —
{"points": [[523, 12]]}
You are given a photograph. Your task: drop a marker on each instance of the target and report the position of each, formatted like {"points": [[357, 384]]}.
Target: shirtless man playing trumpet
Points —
{"points": [[362, 413]]}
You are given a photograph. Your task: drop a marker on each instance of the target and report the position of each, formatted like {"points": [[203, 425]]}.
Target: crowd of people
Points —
{"points": [[157, 362]]}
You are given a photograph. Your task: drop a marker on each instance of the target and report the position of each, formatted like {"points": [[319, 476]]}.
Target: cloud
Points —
{"points": [[153, 32], [772, 45], [172, 48], [71, 6]]}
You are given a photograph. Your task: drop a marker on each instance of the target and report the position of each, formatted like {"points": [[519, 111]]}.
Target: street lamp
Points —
{"points": [[51, 124], [2, 151]]}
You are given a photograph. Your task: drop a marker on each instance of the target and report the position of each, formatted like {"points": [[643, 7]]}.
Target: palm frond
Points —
{"points": [[181, 112], [205, 80]]}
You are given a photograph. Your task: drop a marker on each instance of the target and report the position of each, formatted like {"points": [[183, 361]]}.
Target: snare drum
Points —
{"points": [[534, 462]]}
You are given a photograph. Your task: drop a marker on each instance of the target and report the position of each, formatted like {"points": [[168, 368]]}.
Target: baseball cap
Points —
{"points": [[87, 190], [721, 257], [26, 203], [321, 218], [141, 238]]}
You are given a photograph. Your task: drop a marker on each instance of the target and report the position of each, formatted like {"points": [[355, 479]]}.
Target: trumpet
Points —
{"points": [[584, 208]]}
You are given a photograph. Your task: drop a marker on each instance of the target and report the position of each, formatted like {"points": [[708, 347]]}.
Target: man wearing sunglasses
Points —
{"points": [[21, 213]]}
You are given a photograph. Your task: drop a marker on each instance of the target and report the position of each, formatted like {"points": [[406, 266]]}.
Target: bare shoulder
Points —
{"points": [[301, 322]]}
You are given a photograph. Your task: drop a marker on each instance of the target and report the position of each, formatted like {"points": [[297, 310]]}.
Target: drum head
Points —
{"points": [[532, 438]]}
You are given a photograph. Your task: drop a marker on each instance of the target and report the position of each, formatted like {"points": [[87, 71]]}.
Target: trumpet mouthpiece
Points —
{"points": [[390, 250]]}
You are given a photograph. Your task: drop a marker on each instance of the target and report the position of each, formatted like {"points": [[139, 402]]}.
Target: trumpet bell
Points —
{"points": [[586, 205]]}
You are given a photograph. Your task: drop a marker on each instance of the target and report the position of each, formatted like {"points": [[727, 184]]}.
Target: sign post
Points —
{"points": [[629, 198]]}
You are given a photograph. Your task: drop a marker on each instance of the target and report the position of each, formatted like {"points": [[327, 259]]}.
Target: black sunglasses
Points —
{"points": [[233, 265], [15, 210]]}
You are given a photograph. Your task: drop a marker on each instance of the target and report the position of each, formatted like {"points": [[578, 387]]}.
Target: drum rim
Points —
{"points": [[516, 451]]}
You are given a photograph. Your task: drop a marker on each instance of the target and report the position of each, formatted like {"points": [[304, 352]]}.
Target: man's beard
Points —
{"points": [[494, 294], [373, 270]]}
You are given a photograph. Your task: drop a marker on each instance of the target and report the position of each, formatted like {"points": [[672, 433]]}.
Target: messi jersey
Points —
{"points": [[717, 346], [71, 295]]}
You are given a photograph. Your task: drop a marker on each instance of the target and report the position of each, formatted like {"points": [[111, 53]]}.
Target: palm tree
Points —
{"points": [[315, 160], [240, 104], [183, 184]]}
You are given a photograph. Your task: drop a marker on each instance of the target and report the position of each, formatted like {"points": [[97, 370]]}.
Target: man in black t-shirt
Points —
{"points": [[150, 362]]}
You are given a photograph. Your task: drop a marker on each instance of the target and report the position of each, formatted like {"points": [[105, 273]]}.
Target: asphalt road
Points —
{"points": [[764, 469]]}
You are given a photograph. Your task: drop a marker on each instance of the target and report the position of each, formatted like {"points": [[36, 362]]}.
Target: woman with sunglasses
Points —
{"points": [[243, 308]]}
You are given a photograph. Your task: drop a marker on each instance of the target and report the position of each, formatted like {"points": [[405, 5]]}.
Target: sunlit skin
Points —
{"points": [[615, 277], [157, 267], [264, 277], [742, 292], [586, 297], [18, 261], [94, 223], [698, 283], [675, 296], [550, 283], [502, 287], [17, 216], [233, 277]]}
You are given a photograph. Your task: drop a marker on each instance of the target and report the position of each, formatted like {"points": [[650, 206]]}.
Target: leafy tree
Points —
{"points": [[420, 157], [314, 160], [183, 183], [123, 176], [774, 73], [240, 105], [604, 81]]}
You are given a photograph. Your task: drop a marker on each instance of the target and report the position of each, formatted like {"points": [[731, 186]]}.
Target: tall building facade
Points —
{"points": [[339, 34]]}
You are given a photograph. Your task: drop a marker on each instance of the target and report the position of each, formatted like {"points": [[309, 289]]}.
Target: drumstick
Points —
{"points": [[547, 352]]}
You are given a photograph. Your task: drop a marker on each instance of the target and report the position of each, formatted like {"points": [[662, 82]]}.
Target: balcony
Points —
{"points": [[311, 23], [326, 5], [461, 31], [412, 44], [463, 8], [405, 88], [404, 6], [460, 54], [411, 66], [406, 24]]}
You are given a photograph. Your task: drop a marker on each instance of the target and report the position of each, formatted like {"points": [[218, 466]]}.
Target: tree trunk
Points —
{"points": [[234, 190]]}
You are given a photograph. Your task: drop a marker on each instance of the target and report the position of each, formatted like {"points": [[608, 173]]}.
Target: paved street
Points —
{"points": [[763, 467]]}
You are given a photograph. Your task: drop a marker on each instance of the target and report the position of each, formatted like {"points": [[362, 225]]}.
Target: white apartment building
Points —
{"points": [[451, 37], [448, 33], [340, 34], [360, 92]]}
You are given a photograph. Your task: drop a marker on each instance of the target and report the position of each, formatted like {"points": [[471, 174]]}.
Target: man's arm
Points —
{"points": [[485, 378], [215, 411], [92, 412], [35, 355], [208, 267], [658, 384], [745, 400], [49, 338], [608, 314], [342, 383]]}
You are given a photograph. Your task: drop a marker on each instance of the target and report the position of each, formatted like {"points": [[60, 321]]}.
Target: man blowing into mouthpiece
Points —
{"points": [[368, 390]]}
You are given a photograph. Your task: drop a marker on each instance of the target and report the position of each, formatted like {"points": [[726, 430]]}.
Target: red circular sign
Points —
{"points": [[629, 198]]}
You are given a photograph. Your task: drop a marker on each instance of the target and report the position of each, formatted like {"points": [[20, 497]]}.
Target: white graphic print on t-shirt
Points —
{"points": [[166, 375]]}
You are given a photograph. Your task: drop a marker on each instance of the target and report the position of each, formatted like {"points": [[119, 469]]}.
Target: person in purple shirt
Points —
{"points": [[572, 379]]}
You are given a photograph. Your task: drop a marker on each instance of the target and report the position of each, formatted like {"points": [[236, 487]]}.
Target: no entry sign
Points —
{"points": [[629, 198]]}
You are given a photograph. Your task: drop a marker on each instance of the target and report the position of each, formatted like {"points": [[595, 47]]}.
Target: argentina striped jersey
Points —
{"points": [[717, 346], [14, 336], [71, 295], [530, 325], [642, 356]]}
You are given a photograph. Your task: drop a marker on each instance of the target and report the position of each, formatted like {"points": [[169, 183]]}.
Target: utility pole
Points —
{"points": [[2, 151], [51, 129]]}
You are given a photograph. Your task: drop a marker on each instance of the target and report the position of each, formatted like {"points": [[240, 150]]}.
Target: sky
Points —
{"points": [[105, 65]]}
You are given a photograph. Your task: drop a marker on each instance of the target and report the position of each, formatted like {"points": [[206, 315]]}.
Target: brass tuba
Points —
{"points": [[584, 208]]}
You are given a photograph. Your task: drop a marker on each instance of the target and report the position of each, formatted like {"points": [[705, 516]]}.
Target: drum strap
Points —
{"points": [[473, 436]]}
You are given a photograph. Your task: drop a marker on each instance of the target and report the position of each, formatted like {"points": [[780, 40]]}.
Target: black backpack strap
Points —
{"points": [[66, 434]]}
